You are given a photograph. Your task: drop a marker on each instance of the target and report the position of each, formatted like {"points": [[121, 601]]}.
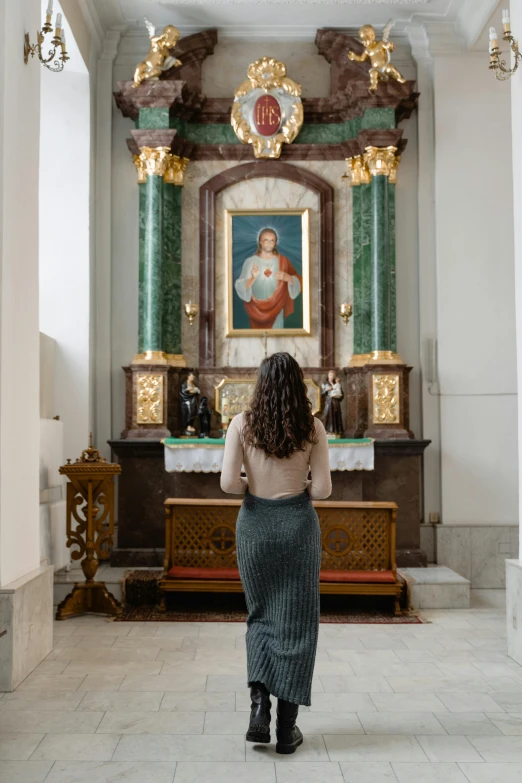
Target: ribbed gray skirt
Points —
{"points": [[279, 558]]}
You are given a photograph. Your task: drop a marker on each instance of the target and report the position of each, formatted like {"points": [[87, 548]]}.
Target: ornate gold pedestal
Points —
{"points": [[91, 481]]}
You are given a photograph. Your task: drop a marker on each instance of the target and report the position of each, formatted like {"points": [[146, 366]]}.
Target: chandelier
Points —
{"points": [[502, 70], [58, 40]]}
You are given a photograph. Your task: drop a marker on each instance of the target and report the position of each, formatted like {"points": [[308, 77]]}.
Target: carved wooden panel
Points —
{"points": [[353, 539]]}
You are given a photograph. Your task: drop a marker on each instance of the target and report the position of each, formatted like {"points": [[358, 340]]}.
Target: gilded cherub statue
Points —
{"points": [[379, 54], [158, 59]]}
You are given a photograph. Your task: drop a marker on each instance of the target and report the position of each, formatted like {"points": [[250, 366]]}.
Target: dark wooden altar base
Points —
{"points": [[144, 485]]}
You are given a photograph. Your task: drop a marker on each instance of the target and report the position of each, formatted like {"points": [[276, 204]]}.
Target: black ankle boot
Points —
{"points": [[288, 735], [259, 727]]}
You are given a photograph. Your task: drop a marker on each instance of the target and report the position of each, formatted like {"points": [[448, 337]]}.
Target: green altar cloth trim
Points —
{"points": [[208, 443], [200, 443], [334, 442]]}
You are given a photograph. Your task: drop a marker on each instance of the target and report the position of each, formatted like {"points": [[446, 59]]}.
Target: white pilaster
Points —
{"points": [[420, 47], [514, 567], [102, 407], [25, 588]]}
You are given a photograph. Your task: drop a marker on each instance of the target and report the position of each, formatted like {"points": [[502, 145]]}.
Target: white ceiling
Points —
{"points": [[298, 19]]}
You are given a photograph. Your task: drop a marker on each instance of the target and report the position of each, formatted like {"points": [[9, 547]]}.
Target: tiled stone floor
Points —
{"points": [[167, 703]]}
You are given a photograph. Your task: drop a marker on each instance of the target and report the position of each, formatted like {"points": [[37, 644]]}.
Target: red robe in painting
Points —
{"points": [[263, 312]]}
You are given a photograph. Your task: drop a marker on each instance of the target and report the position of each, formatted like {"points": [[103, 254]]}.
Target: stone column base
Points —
{"points": [[152, 401], [378, 401], [26, 614], [388, 395]]}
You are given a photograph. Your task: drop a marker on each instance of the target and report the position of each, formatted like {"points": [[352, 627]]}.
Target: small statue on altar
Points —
{"points": [[189, 395], [205, 417], [332, 392], [379, 54], [158, 59]]}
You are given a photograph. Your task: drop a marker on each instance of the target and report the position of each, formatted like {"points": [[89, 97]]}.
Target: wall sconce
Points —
{"points": [[345, 311], [57, 40], [502, 71], [191, 311]]}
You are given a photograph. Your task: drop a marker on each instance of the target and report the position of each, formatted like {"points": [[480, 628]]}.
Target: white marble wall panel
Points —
{"points": [[26, 613], [479, 459], [224, 70], [514, 609], [266, 193], [477, 552], [52, 493]]}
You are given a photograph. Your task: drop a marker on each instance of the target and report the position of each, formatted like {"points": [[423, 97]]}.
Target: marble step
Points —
{"points": [[436, 587]]}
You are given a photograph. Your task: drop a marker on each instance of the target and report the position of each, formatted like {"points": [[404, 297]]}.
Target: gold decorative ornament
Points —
{"points": [[175, 170], [386, 396], [140, 168], [384, 357], [359, 360], [345, 311], [379, 54], [152, 161], [91, 481], [394, 165], [176, 360], [150, 357], [503, 71], [381, 161], [236, 393], [267, 109], [191, 311], [58, 40], [358, 171], [159, 59], [149, 399]]}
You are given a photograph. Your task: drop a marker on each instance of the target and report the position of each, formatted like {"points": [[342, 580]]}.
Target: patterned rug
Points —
{"points": [[141, 598]]}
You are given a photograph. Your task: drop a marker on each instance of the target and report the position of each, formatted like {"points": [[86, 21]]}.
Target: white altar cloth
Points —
{"points": [[206, 455]]}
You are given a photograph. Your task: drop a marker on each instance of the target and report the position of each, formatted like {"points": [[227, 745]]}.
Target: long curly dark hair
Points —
{"points": [[279, 420]]}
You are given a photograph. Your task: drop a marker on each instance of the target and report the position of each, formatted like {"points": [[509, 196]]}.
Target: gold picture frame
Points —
{"points": [[238, 393], [291, 228]]}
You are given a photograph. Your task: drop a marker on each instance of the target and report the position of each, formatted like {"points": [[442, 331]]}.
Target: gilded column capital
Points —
{"points": [[359, 171], [392, 178], [175, 170], [152, 161], [381, 161], [140, 168]]}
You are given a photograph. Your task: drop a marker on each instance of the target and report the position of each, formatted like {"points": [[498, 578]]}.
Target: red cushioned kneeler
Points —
{"points": [[370, 577]]}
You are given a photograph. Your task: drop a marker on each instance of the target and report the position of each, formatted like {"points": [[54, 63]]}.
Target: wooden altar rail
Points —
{"points": [[358, 547]]}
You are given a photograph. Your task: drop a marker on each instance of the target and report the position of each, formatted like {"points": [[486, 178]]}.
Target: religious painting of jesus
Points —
{"points": [[268, 272]]}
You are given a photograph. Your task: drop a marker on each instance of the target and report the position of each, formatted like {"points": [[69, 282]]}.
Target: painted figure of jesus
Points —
{"points": [[268, 284]]}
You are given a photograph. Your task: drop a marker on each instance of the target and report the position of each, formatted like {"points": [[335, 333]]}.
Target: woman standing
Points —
{"points": [[278, 542]]}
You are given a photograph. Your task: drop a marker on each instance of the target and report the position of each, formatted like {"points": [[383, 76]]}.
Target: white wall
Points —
{"points": [[65, 283], [19, 333], [475, 281], [516, 110]]}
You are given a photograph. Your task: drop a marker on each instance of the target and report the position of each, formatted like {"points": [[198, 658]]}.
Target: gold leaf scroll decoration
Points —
{"points": [[386, 409], [149, 399]]}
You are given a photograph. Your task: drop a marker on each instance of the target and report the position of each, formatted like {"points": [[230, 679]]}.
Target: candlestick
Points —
{"points": [[493, 40]]}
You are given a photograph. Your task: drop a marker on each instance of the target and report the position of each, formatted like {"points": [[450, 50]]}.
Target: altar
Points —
{"points": [[193, 455], [266, 224]]}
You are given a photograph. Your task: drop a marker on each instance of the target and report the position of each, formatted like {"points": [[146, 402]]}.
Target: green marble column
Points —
{"points": [[381, 306], [362, 290], [393, 280], [172, 305], [150, 331]]}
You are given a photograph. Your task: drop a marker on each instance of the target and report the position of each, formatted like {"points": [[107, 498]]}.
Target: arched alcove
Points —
{"points": [[207, 208]]}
